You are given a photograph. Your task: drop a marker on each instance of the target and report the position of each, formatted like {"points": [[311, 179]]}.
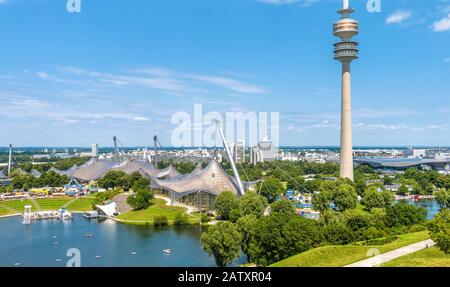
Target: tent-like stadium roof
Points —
{"points": [[168, 173], [131, 166], [68, 172], [2, 174], [93, 170], [213, 179]]}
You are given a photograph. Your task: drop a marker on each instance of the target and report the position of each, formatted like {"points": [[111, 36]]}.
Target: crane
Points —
{"points": [[157, 146], [230, 157]]}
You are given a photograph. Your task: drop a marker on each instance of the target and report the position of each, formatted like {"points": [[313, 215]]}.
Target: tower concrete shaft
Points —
{"points": [[346, 168]]}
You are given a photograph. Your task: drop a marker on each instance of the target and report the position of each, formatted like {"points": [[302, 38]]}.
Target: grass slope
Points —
{"points": [[430, 257], [341, 255], [158, 208]]}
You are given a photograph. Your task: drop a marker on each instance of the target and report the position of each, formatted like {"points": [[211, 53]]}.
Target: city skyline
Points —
{"points": [[90, 77]]}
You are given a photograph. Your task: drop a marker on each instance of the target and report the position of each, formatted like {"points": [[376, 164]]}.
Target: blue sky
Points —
{"points": [[124, 67]]}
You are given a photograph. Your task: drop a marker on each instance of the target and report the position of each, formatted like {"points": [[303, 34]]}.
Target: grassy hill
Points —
{"points": [[430, 257], [336, 256]]}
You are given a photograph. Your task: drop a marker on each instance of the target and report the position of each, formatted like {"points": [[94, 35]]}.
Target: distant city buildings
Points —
{"points": [[239, 151], [269, 153], [94, 150], [255, 155]]}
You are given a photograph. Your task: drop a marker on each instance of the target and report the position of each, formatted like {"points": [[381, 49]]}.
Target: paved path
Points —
{"points": [[391, 255], [189, 209]]}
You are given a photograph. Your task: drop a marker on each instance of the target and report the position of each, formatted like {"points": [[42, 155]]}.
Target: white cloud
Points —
{"points": [[441, 25], [447, 60], [398, 16]]}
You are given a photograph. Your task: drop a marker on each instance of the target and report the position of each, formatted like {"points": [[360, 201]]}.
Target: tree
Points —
{"points": [[403, 214], [439, 229], [223, 241], [344, 197], [225, 203], [160, 221], [283, 206], [403, 190], [443, 198], [251, 203], [376, 199], [320, 201], [338, 234], [356, 219], [246, 226], [270, 188], [140, 183], [141, 199], [279, 236]]}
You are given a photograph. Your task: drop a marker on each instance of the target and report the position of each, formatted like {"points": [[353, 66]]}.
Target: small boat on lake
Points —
{"points": [[167, 251]]}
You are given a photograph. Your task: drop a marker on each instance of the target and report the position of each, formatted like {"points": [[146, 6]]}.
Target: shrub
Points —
{"points": [[204, 218], [181, 220], [338, 234], [160, 221]]}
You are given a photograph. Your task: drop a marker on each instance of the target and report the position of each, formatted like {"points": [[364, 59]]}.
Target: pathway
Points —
{"points": [[391, 255], [189, 209]]}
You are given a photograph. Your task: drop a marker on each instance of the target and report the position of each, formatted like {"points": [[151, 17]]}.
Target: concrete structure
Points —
{"points": [[346, 51], [94, 150]]}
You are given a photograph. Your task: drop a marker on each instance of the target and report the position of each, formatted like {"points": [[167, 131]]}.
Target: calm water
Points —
{"points": [[429, 204], [44, 242]]}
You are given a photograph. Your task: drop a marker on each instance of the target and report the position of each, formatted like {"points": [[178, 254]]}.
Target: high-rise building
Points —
{"points": [[255, 155], [239, 151], [94, 150], [346, 51]]}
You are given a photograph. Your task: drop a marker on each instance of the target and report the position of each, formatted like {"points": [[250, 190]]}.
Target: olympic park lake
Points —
{"points": [[45, 243]]}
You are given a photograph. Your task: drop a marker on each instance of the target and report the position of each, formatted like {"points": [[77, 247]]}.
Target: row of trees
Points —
{"points": [[47, 179], [281, 234]]}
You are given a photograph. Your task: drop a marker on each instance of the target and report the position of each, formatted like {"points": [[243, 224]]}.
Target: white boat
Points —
{"points": [[167, 251]]}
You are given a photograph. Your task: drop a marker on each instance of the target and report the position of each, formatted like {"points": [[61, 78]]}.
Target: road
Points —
{"points": [[391, 255]]}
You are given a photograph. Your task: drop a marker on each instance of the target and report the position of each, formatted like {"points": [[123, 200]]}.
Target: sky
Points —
{"points": [[125, 67]]}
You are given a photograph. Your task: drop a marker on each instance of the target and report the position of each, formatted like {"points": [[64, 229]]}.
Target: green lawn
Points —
{"points": [[17, 206], [158, 208], [431, 257], [81, 204], [336, 256]]}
